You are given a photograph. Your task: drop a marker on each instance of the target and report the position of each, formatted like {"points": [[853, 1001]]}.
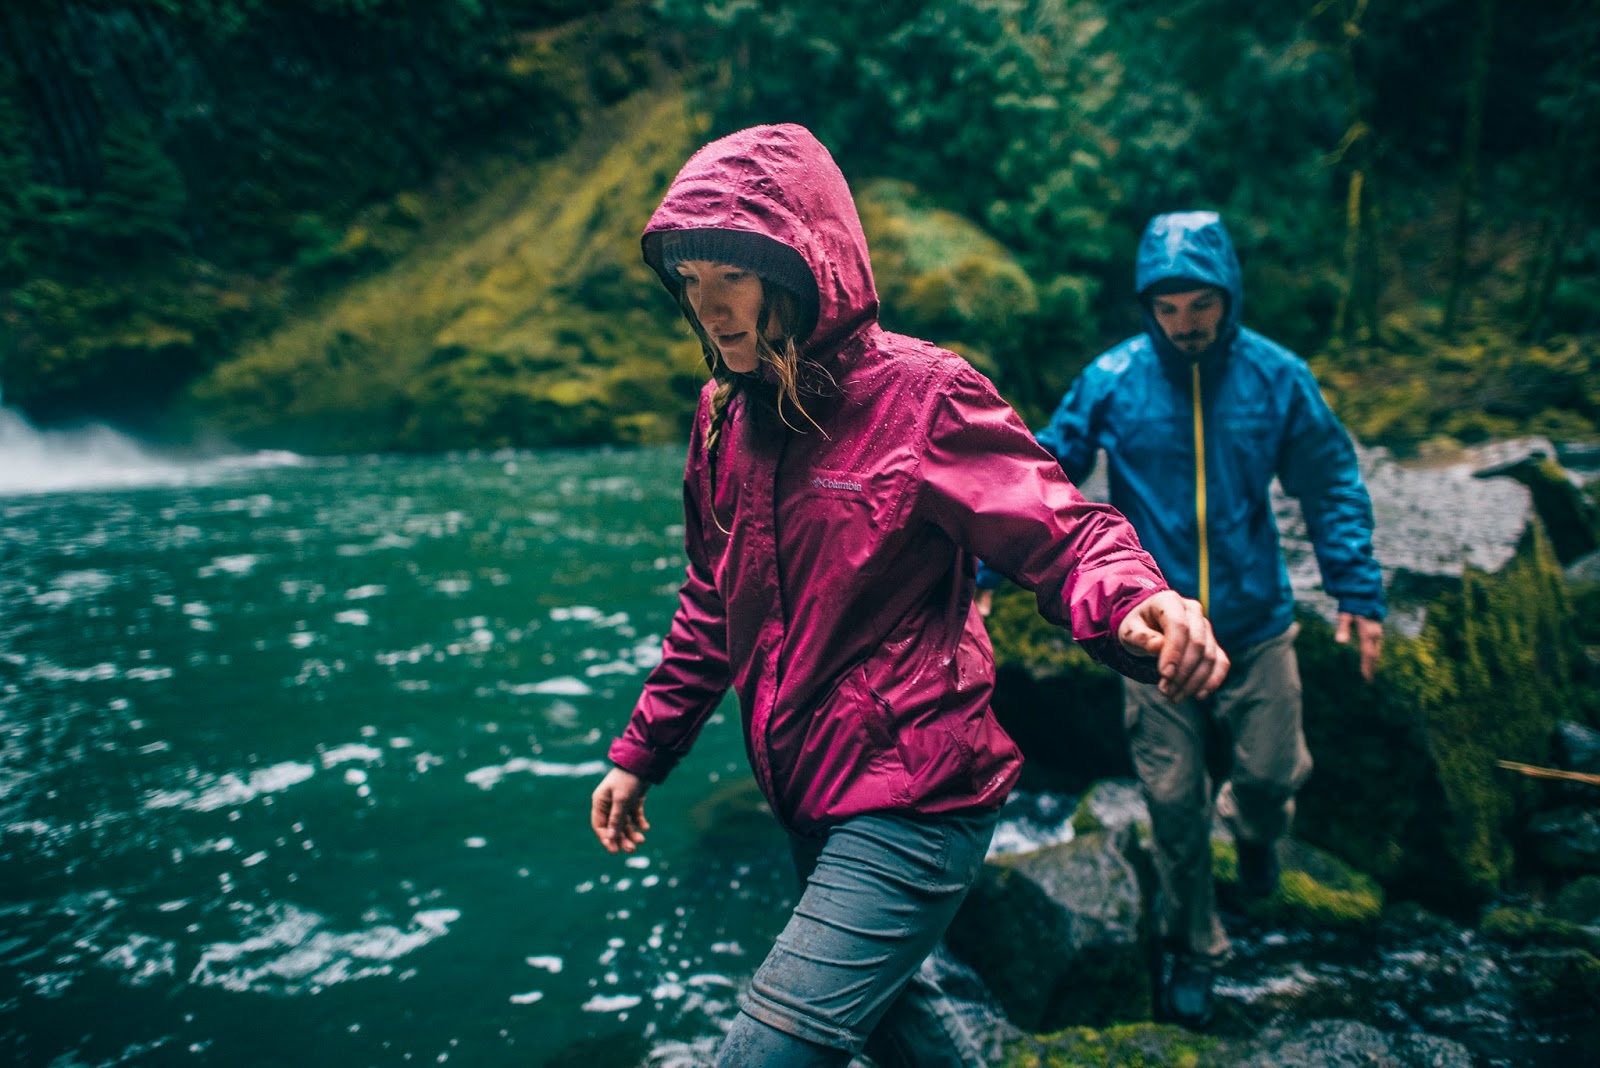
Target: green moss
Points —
{"points": [[527, 320], [1523, 927], [1487, 383], [1139, 1045], [1315, 889], [1406, 786]]}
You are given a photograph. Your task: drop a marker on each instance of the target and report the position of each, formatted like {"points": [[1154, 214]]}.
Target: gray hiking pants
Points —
{"points": [[848, 972], [1259, 706]]}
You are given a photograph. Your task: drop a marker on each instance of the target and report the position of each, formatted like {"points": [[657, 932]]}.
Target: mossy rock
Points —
{"points": [[1315, 889], [1406, 786], [1138, 1045], [1525, 927], [1579, 902], [1059, 934], [1063, 710]]}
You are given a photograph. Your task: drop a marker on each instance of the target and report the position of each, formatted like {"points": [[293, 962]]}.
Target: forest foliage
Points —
{"points": [[216, 204]]}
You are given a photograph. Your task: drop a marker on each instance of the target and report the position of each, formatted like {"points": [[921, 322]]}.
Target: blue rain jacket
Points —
{"points": [[1258, 414]]}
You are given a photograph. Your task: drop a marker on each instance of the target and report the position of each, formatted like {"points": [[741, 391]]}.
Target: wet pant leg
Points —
{"points": [[1168, 744], [1260, 704], [847, 972], [1270, 758]]}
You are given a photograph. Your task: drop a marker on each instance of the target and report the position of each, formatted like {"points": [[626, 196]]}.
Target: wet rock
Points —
{"points": [[1579, 902], [1346, 1044], [1567, 839], [1111, 805], [974, 1004], [1058, 934], [1577, 747], [1555, 982], [1316, 890], [1430, 521], [1566, 511]]}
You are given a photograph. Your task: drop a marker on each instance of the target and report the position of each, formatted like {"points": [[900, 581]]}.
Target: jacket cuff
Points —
{"points": [[649, 764], [1364, 607], [1115, 656]]}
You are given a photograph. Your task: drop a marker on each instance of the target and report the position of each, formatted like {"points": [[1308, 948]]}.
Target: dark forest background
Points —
{"points": [[394, 224]]}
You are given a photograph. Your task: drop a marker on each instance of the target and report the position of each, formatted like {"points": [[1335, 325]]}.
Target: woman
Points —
{"points": [[842, 481]]}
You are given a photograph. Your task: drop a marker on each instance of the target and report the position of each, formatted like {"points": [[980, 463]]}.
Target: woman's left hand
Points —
{"points": [[1173, 629]]}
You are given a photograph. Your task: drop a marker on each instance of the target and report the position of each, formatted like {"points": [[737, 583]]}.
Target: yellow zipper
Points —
{"points": [[1200, 495]]}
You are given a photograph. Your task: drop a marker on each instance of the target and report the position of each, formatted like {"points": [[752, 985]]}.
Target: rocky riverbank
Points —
{"points": [[1436, 908]]}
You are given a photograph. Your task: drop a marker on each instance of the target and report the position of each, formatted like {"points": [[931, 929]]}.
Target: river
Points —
{"points": [[297, 758]]}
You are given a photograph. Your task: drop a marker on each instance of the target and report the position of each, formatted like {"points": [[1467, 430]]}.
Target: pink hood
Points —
{"points": [[779, 182], [839, 608]]}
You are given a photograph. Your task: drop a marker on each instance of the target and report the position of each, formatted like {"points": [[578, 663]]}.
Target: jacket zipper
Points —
{"points": [[1200, 494]]}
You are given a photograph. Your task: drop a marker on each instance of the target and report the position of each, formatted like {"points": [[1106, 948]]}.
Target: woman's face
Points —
{"points": [[727, 301]]}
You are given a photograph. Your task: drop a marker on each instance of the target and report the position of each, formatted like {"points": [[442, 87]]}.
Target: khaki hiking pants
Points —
{"points": [[1259, 707]]}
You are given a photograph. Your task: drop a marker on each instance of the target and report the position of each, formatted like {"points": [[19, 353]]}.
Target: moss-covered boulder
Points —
{"points": [[1316, 1044], [1139, 1045], [1063, 710], [1553, 963], [1059, 934], [1579, 902], [1316, 890], [1406, 785]]}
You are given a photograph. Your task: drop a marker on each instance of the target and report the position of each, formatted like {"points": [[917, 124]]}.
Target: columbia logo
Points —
{"points": [[836, 484]]}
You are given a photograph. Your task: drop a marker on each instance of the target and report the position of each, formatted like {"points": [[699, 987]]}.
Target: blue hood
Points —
{"points": [[1189, 244]]}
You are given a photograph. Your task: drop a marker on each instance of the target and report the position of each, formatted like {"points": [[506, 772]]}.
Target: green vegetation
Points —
{"points": [[531, 317], [1139, 1045], [1411, 188], [1406, 786], [1316, 890], [1522, 927]]}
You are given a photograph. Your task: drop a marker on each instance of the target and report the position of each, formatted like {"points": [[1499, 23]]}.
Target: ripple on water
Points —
{"points": [[343, 754], [70, 586], [242, 564], [487, 778], [562, 686], [230, 789], [288, 952]]}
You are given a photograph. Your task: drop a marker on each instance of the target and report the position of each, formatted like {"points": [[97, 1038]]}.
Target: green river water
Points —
{"points": [[296, 765]]}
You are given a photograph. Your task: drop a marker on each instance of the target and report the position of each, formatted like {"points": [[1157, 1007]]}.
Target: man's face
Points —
{"points": [[1190, 320]]}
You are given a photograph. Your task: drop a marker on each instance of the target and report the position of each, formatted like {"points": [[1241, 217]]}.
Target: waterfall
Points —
{"points": [[98, 457]]}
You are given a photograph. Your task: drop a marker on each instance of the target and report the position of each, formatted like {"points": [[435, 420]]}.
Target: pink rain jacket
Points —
{"points": [[840, 606]]}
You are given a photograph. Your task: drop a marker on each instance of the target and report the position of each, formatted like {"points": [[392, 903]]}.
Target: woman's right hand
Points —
{"points": [[616, 811]]}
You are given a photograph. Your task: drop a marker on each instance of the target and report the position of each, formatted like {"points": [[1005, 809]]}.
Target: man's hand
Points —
{"points": [[1175, 631], [984, 602], [616, 811], [1369, 632]]}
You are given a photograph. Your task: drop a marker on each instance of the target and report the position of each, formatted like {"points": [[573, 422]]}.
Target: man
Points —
{"points": [[1197, 415]]}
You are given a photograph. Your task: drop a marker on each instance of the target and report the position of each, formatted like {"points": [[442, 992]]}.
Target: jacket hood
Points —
{"points": [[1189, 244], [779, 182]]}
